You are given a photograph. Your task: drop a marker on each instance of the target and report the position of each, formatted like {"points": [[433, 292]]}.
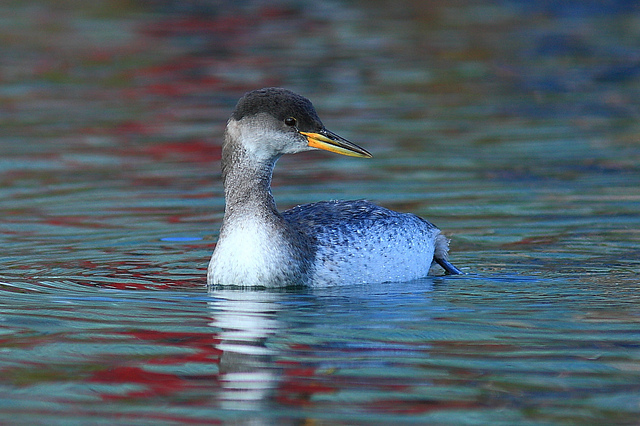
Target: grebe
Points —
{"points": [[324, 243]]}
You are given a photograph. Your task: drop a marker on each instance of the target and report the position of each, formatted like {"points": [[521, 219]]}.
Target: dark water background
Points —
{"points": [[512, 125]]}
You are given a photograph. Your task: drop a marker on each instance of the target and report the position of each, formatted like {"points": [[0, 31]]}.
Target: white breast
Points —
{"points": [[243, 255], [250, 254]]}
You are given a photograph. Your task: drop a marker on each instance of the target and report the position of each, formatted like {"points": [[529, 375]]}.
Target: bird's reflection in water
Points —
{"points": [[245, 320]]}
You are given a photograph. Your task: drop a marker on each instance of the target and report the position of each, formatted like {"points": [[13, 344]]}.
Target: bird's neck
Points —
{"points": [[257, 246], [247, 183]]}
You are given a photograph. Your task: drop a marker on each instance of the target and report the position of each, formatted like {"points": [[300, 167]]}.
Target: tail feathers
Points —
{"points": [[448, 267], [441, 256]]}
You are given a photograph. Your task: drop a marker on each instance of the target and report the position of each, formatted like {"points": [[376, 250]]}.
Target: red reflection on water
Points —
{"points": [[196, 150], [156, 384], [134, 127], [77, 221], [399, 406], [180, 26], [168, 283], [205, 343], [300, 384]]}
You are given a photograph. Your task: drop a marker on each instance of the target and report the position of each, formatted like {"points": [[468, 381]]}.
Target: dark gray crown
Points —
{"points": [[280, 103]]}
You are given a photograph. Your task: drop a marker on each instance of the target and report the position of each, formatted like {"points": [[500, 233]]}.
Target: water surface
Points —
{"points": [[512, 126]]}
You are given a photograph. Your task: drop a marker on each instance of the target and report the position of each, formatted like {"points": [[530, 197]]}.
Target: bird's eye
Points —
{"points": [[290, 121]]}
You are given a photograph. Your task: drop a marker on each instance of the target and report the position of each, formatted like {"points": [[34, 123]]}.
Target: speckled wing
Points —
{"points": [[357, 241]]}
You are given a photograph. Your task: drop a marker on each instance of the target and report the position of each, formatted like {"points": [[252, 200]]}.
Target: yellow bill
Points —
{"points": [[329, 141]]}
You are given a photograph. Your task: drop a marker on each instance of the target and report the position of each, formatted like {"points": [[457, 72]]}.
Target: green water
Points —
{"points": [[511, 125]]}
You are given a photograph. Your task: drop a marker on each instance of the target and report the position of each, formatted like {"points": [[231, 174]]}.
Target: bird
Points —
{"points": [[319, 244]]}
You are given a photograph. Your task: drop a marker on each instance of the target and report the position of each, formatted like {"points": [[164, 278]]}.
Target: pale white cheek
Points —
{"points": [[263, 142]]}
